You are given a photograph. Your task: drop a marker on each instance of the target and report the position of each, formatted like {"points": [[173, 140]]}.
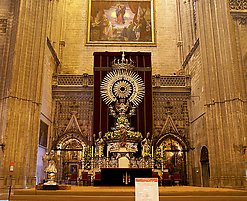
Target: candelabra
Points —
{"points": [[107, 162], [100, 162], [142, 162], [126, 178], [152, 163], [162, 164], [82, 163]]}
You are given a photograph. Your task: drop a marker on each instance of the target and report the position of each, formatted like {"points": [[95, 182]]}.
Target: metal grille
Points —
{"points": [[172, 81], [88, 80], [238, 4], [78, 80]]}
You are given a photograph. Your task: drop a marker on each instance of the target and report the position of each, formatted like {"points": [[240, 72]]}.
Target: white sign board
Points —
{"points": [[146, 189]]}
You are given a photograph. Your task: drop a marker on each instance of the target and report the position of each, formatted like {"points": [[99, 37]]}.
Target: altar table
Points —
{"points": [[123, 176]]}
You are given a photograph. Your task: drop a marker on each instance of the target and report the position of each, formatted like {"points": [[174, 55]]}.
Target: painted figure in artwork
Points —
{"points": [[120, 11]]}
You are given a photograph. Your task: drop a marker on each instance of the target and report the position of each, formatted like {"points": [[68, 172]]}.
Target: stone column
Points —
{"points": [[21, 102], [225, 93]]}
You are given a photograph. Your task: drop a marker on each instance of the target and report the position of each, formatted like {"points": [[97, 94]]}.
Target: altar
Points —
{"points": [[123, 176], [122, 90], [118, 156]]}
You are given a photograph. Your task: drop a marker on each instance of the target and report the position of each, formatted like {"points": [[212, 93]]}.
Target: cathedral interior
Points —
{"points": [[100, 92]]}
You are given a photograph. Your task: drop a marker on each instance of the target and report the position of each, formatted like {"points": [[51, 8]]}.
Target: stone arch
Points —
{"points": [[184, 143], [205, 166], [70, 148], [64, 139], [172, 149]]}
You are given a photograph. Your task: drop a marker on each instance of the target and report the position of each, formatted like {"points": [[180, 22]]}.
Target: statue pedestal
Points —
{"points": [[50, 187]]}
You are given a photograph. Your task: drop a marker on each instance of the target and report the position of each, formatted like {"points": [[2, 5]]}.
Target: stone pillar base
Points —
{"points": [[18, 182], [228, 182]]}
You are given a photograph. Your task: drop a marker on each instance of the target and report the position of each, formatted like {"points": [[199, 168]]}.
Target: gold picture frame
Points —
{"points": [[43, 133], [123, 22]]}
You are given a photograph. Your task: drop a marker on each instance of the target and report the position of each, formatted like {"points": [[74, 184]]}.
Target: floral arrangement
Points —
{"points": [[122, 120], [87, 158], [116, 135], [122, 131], [134, 136]]}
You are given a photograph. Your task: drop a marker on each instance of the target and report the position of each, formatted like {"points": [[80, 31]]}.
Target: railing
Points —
{"points": [[73, 80], [171, 81], [87, 80]]}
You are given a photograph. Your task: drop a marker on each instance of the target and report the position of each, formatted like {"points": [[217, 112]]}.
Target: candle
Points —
{"points": [[92, 151], [161, 149], [82, 151], [107, 152], [152, 151]]}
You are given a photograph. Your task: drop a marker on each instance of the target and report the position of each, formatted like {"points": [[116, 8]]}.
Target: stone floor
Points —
{"points": [[91, 193]]}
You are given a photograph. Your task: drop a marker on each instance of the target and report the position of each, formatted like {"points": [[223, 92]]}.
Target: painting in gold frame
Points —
{"points": [[121, 22]]}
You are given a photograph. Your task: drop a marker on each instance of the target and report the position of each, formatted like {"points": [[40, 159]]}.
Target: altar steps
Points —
{"points": [[178, 193]]}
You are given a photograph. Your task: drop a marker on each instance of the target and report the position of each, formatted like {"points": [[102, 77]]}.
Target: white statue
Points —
{"points": [[51, 169], [146, 145], [100, 145]]}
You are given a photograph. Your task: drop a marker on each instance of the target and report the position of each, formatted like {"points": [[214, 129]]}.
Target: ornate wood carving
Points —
{"points": [[74, 93], [176, 105], [68, 104]]}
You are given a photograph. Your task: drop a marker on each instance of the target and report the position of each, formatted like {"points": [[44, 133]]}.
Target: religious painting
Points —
{"points": [[121, 22], [73, 168], [43, 133]]}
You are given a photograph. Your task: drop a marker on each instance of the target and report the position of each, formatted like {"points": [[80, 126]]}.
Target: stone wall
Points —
{"points": [[216, 63], [50, 66], [6, 20], [69, 38], [218, 90], [225, 97], [197, 113], [21, 100]]}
